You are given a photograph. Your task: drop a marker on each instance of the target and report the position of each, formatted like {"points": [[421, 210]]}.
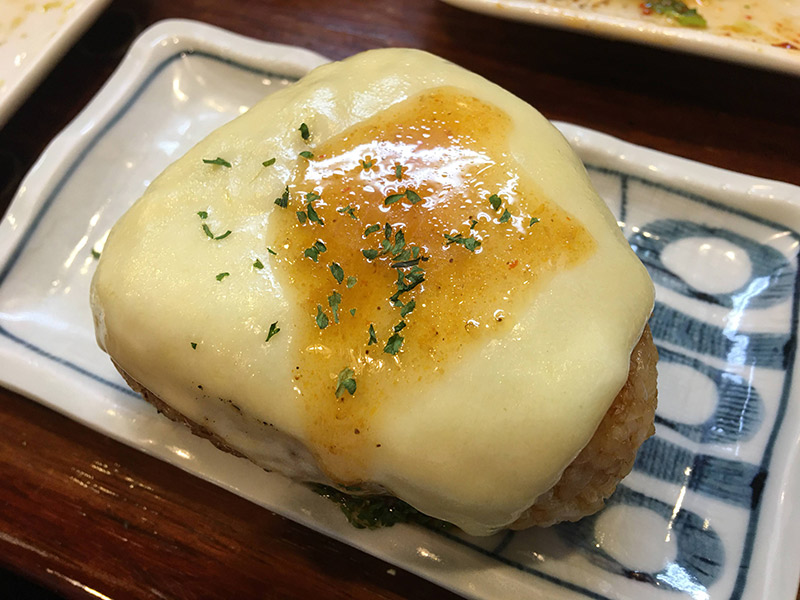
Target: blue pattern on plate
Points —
{"points": [[691, 470]]}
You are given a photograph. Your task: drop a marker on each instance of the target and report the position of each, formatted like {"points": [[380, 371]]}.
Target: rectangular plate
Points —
{"points": [[705, 513], [622, 19], [34, 34]]}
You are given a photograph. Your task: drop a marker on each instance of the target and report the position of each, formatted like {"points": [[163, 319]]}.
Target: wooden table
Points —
{"points": [[86, 516]]}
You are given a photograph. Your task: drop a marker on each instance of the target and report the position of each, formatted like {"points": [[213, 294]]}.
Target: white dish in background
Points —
{"points": [[34, 35], [710, 511], [619, 19]]}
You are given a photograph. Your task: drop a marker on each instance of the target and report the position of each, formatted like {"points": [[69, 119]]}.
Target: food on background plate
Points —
{"points": [[392, 278]]}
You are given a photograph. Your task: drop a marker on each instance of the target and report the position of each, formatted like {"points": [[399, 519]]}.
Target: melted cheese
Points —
{"points": [[512, 353]]}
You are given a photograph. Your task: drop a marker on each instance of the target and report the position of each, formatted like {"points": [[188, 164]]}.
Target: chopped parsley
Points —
{"points": [[311, 196], [271, 251], [314, 251], [273, 329], [222, 276], [398, 171], [534, 220], [210, 234], [346, 382], [347, 210], [301, 216], [393, 344], [373, 339], [95, 254], [321, 318], [372, 229], [334, 300], [412, 196], [258, 264], [367, 164], [370, 254], [337, 272], [495, 201], [283, 201], [506, 216], [217, 161], [473, 223], [351, 281], [400, 326], [353, 312], [307, 154], [303, 129], [407, 282], [268, 163], [194, 345], [312, 215], [407, 308], [202, 214], [469, 243]]}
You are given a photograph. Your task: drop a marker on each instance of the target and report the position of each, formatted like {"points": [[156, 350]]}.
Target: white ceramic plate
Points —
{"points": [[34, 35], [627, 23], [709, 512]]}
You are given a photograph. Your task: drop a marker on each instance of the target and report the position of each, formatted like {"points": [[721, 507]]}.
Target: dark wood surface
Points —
{"points": [[83, 515]]}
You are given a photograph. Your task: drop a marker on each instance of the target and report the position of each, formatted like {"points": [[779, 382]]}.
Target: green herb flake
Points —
{"points": [[223, 236], [352, 312], [222, 276], [207, 229], [301, 216], [268, 163], [283, 201], [366, 164], [393, 344], [311, 196], [387, 231], [271, 251], [371, 229], [495, 201], [408, 307], [413, 197], [337, 272], [473, 223], [346, 382], [373, 339], [392, 198], [469, 243], [334, 300], [217, 161], [370, 254], [258, 264], [399, 243], [506, 216], [95, 254], [194, 345], [311, 253], [321, 318], [202, 214], [400, 326], [313, 216], [303, 129], [347, 210], [320, 246], [351, 281], [534, 220], [273, 329], [307, 154], [675, 10], [398, 172]]}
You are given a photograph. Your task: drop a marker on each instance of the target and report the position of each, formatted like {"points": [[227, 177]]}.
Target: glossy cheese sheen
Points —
{"points": [[512, 353]]}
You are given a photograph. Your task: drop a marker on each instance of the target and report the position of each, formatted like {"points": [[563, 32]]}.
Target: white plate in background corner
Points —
{"points": [[181, 80], [34, 35], [561, 14]]}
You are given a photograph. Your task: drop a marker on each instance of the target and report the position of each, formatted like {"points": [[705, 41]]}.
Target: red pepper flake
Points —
{"points": [[787, 46], [645, 8], [512, 264]]}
